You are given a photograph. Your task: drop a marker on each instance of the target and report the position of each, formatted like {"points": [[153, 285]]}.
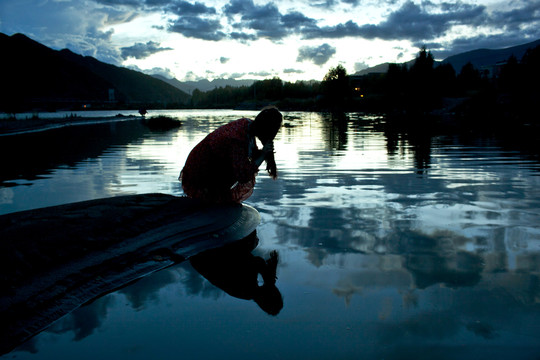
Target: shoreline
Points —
{"points": [[25, 126]]}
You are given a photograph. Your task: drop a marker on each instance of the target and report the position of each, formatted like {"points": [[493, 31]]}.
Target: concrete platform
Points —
{"points": [[53, 260]]}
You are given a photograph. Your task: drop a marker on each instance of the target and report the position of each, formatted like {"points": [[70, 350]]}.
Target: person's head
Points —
{"points": [[267, 124], [265, 127], [269, 299]]}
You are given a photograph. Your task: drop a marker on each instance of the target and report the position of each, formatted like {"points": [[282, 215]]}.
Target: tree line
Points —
{"points": [[425, 87], [298, 95], [509, 87]]}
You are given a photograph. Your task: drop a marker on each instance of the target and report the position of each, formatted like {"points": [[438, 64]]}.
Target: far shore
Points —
{"points": [[23, 126]]}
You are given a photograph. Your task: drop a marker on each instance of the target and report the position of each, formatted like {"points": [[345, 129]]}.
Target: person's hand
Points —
{"points": [[268, 147]]}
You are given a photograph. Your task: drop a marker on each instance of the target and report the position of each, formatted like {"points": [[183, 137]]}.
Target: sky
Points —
{"points": [[252, 39]]}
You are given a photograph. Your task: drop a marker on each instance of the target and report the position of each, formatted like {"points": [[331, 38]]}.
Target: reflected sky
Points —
{"points": [[390, 246]]}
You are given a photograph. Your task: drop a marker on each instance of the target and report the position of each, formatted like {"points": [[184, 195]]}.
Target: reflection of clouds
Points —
{"points": [[462, 269], [196, 285], [482, 329], [30, 346], [146, 289], [450, 228], [359, 282], [486, 314], [356, 209], [440, 325], [437, 258], [6, 196], [85, 320]]}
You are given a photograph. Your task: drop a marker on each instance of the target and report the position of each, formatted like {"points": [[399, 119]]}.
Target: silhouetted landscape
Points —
{"points": [[36, 77], [481, 89]]}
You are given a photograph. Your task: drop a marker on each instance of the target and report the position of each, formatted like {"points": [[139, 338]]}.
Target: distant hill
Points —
{"points": [[34, 76], [381, 68], [480, 58], [204, 85]]}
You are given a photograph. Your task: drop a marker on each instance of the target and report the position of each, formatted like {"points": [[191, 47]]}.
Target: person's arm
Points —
{"points": [[268, 147]]}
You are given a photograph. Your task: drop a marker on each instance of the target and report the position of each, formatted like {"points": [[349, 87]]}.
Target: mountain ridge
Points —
{"points": [[37, 76], [204, 84], [480, 58]]}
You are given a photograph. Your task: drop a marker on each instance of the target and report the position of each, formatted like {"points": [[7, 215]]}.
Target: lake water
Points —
{"points": [[390, 246]]}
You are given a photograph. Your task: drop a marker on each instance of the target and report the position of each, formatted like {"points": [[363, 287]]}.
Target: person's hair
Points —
{"points": [[265, 127], [269, 299]]}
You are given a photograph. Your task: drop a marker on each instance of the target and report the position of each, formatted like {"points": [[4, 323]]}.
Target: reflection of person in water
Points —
{"points": [[222, 167], [235, 270]]}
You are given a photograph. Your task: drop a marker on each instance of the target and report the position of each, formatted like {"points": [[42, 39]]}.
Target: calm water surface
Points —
{"points": [[390, 247]]}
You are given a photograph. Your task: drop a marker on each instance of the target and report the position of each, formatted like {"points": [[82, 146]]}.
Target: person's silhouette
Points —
{"points": [[223, 166], [235, 270]]}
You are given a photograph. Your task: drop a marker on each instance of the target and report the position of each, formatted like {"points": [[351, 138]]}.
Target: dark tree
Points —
{"points": [[469, 79], [423, 65], [445, 80], [510, 77], [335, 85]]}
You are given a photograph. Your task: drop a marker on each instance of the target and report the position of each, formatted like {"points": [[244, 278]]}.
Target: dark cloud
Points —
{"points": [[235, 7], [419, 23], [233, 75], [184, 8], [329, 4], [164, 72], [263, 21], [519, 25], [197, 27], [114, 16], [516, 19], [224, 60], [293, 71], [156, 4], [141, 50], [410, 22], [134, 3], [195, 19], [242, 37], [324, 3], [152, 3], [338, 31], [239, 76], [295, 19], [319, 55], [415, 22], [261, 73]]}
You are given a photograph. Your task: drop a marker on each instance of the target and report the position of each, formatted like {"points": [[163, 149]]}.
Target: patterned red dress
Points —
{"points": [[221, 168]]}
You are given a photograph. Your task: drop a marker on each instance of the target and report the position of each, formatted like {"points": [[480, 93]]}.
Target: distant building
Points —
{"points": [[492, 70]]}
